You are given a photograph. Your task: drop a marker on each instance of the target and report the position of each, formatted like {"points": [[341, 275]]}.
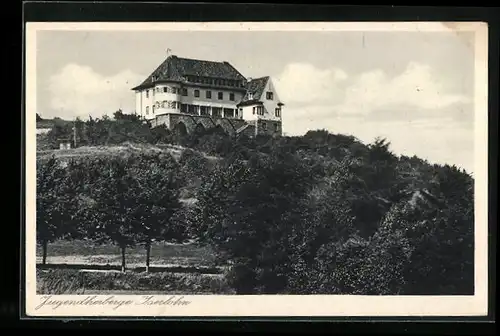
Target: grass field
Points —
{"points": [[88, 252], [194, 274], [64, 281]]}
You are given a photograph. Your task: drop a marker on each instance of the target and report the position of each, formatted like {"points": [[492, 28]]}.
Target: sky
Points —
{"points": [[414, 88]]}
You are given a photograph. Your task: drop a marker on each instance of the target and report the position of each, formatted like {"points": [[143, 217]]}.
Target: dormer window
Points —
{"points": [[250, 96], [269, 95]]}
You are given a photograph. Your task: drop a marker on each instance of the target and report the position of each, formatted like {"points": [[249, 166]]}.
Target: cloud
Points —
{"points": [[302, 83], [418, 86], [414, 109], [78, 90]]}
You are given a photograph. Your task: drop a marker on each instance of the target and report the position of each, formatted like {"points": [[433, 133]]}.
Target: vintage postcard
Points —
{"points": [[256, 169]]}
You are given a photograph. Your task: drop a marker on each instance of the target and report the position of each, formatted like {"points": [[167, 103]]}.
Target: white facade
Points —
{"points": [[270, 109], [177, 98]]}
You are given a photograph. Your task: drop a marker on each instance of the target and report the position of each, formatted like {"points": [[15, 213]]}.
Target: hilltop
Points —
{"points": [[124, 149], [50, 123], [318, 213]]}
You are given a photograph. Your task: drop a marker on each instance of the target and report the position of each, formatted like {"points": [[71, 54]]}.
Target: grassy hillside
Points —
{"points": [[321, 213]]}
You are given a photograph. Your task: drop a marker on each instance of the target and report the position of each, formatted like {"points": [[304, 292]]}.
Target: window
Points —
{"points": [[196, 93], [192, 109], [228, 113], [153, 109], [203, 110], [147, 110], [174, 90], [269, 95], [165, 89], [231, 96], [217, 111], [250, 96], [184, 91], [276, 127], [253, 110], [208, 94], [264, 126], [164, 104], [184, 108], [241, 112], [259, 110], [220, 95], [277, 112], [158, 89], [147, 93]]}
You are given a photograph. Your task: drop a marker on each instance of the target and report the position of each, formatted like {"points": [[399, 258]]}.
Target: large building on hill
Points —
{"points": [[186, 94]]}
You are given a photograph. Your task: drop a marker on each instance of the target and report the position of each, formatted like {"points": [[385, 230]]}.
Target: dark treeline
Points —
{"points": [[320, 213]]}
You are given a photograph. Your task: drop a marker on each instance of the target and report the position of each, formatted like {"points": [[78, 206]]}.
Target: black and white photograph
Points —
{"points": [[253, 168]]}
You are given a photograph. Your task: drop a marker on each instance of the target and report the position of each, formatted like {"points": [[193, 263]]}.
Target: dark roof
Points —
{"points": [[255, 89], [175, 69]]}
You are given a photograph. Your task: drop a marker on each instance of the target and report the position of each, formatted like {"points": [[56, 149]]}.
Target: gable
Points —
{"points": [[271, 88], [256, 91]]}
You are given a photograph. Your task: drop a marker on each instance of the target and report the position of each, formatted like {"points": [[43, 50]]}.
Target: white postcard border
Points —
{"points": [[266, 305]]}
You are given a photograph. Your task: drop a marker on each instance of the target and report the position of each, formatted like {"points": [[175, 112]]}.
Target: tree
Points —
{"points": [[55, 203], [114, 204], [155, 201], [328, 220], [441, 232], [58, 131], [257, 205], [137, 197]]}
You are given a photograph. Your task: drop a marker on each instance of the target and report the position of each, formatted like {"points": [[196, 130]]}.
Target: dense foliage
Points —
{"points": [[320, 213]]}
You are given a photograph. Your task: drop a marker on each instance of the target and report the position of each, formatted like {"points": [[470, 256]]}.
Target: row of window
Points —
{"points": [[168, 89], [196, 109], [208, 95], [259, 110], [211, 81], [269, 95], [196, 92], [203, 110], [215, 81]]}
